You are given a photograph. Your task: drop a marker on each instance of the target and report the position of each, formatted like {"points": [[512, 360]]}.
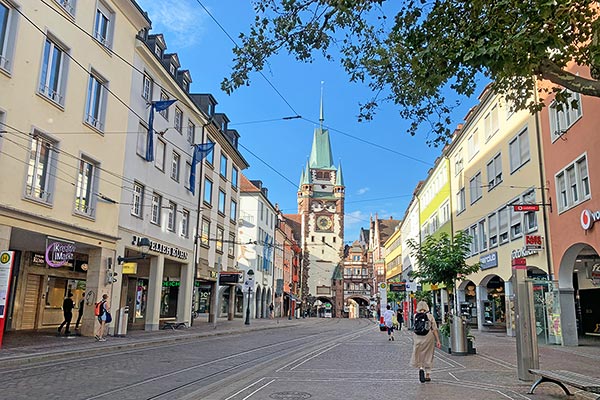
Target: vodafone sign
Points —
{"points": [[588, 218]]}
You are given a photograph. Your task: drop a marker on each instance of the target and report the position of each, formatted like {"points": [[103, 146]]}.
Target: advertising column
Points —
{"points": [[6, 265]]}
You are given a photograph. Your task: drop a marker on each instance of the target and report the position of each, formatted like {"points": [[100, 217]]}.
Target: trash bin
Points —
{"points": [[122, 323], [458, 336]]}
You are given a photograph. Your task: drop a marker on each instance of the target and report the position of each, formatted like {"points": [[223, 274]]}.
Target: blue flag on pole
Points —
{"points": [[156, 106], [200, 151]]}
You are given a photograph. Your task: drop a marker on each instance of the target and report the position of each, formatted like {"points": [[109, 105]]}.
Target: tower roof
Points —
{"points": [[320, 155], [339, 178]]}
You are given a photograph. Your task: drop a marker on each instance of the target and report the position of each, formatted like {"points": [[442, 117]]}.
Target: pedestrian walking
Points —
{"points": [[80, 311], [425, 339], [102, 308], [67, 307], [400, 318], [388, 317], [271, 307]]}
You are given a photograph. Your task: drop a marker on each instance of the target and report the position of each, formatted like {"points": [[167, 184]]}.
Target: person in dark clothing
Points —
{"points": [[67, 307], [80, 311], [400, 318]]}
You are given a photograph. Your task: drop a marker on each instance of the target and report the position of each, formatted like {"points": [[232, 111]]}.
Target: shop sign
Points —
{"points": [[519, 263], [588, 218], [163, 249], [38, 259], [522, 252], [171, 284], [533, 242], [59, 253], [129, 268], [489, 261]]}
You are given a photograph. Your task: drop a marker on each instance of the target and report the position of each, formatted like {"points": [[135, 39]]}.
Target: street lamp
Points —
{"points": [[249, 282], [144, 245]]}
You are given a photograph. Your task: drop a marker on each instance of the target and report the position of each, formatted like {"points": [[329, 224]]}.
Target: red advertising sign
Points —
{"points": [[533, 242], [7, 259], [526, 207], [519, 263]]}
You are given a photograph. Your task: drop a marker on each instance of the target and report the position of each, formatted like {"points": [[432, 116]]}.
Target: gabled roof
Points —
{"points": [[247, 186]]}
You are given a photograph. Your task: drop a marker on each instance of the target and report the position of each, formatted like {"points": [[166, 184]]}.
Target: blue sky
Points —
{"points": [[377, 181]]}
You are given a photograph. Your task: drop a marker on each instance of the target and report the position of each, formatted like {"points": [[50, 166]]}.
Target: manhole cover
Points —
{"points": [[290, 395]]}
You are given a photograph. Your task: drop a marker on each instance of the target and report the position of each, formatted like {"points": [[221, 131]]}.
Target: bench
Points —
{"points": [[174, 325], [561, 378]]}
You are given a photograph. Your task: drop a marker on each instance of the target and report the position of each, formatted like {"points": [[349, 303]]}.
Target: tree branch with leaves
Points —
{"points": [[442, 259], [410, 52]]}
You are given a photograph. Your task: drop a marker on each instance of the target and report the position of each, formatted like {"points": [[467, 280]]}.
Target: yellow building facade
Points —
{"points": [[63, 118]]}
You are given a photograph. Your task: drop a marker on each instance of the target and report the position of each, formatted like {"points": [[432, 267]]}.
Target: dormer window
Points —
{"points": [[157, 50], [186, 86], [172, 69]]}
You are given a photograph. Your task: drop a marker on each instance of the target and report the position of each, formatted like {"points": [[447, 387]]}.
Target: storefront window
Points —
{"points": [[57, 290], [168, 299], [203, 298], [141, 298]]}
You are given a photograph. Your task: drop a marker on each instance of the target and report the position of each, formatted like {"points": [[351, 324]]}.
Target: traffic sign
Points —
{"points": [[526, 207]]}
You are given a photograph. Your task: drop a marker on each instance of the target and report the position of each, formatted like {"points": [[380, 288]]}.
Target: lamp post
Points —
{"points": [[249, 284]]}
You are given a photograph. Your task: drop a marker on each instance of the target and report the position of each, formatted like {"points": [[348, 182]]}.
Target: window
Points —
{"points": [[137, 203], [147, 86], [191, 132], [188, 171], [445, 213], [103, 25], [171, 222], [185, 224], [460, 201], [519, 151], [530, 218], [175, 166], [85, 187], [142, 137], [172, 69], [158, 50], [210, 157], [8, 26], [231, 245], [458, 162], [205, 229], [68, 5], [219, 241], [179, 120], [491, 123], [234, 177], [53, 76], [503, 225], [473, 143], [159, 157], [475, 188], [494, 171], [233, 210], [41, 162], [261, 210], [155, 208], [572, 184], [474, 239], [563, 116], [516, 222], [493, 227], [95, 107], [223, 166], [482, 237], [165, 112], [221, 202], [207, 191]]}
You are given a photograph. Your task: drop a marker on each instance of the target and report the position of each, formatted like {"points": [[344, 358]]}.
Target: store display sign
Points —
{"points": [[588, 218], [129, 268], [519, 263], [59, 252], [533, 242], [488, 261], [6, 263]]}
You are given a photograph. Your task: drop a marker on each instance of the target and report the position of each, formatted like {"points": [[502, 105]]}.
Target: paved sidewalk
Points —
{"points": [[21, 348], [495, 362]]}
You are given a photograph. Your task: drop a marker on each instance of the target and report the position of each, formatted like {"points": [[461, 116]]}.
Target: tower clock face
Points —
{"points": [[324, 223]]}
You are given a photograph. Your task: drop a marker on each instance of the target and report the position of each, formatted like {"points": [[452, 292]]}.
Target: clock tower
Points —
{"points": [[321, 210]]}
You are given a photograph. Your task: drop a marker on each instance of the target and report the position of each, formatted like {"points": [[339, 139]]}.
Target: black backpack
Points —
{"points": [[422, 324]]}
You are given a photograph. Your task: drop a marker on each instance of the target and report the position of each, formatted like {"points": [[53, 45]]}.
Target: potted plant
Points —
{"points": [[442, 260]]}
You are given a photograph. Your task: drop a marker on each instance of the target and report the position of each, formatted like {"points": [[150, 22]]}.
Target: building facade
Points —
{"points": [[571, 157], [358, 281], [63, 114]]}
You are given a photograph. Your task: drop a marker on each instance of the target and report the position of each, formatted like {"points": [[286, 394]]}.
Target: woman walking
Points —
{"points": [[425, 339]]}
